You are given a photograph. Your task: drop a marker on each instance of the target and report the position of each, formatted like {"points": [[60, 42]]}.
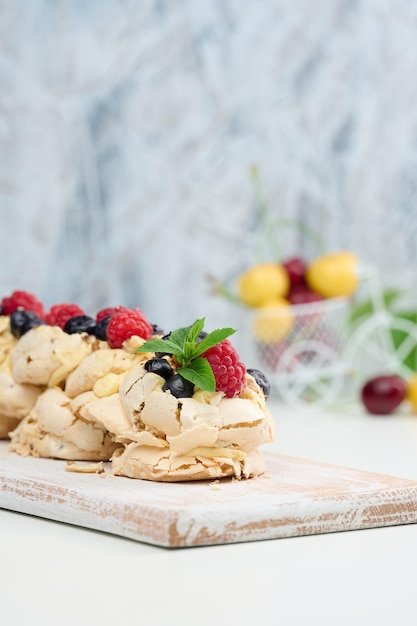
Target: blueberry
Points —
{"points": [[80, 324], [21, 321], [160, 367], [156, 330], [101, 328], [202, 335], [179, 386], [262, 380]]}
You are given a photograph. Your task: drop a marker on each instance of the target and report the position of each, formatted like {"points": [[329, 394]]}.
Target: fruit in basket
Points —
{"points": [[296, 269], [301, 294], [333, 275], [262, 282], [273, 320], [381, 395]]}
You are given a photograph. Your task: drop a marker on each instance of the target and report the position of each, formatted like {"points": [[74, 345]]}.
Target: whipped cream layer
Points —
{"points": [[101, 372]]}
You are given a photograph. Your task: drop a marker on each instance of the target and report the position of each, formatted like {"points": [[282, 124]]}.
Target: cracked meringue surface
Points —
{"points": [[101, 371], [56, 427], [16, 399], [45, 355], [71, 371], [173, 439], [80, 400]]}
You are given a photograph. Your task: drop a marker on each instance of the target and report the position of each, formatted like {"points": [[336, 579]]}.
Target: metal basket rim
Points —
{"points": [[322, 306]]}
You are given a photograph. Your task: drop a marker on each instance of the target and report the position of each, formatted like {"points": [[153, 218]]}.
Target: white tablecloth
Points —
{"points": [[51, 573]]}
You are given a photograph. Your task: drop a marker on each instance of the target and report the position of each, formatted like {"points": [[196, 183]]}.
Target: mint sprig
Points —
{"points": [[183, 344]]}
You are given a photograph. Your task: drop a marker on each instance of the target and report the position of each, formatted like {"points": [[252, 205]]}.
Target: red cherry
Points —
{"points": [[301, 294], [296, 269], [383, 394]]}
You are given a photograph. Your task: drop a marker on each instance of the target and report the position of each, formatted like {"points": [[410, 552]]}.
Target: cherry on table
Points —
{"points": [[381, 395]]}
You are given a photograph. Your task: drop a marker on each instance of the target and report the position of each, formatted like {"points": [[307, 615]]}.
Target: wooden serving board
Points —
{"points": [[295, 497]]}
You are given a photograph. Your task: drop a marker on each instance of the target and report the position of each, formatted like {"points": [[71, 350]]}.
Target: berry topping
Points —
{"points": [[111, 310], [229, 372], [80, 324], [156, 330], [22, 300], [261, 380], [189, 346], [160, 367], [21, 321], [59, 314], [179, 386], [126, 323], [101, 328], [108, 311]]}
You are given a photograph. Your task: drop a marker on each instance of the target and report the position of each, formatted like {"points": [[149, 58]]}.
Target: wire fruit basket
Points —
{"points": [[315, 356], [319, 352], [300, 348], [386, 339]]}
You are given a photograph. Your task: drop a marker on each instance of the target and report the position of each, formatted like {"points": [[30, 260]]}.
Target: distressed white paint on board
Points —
{"points": [[296, 497]]}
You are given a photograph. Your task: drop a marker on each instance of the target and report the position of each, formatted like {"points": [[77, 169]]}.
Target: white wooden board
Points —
{"points": [[295, 497]]}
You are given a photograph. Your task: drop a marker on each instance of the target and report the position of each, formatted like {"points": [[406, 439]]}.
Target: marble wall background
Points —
{"points": [[128, 130]]}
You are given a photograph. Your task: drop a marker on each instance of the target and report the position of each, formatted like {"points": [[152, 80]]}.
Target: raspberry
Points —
{"points": [[22, 300], [229, 372], [59, 314], [110, 310], [126, 323]]}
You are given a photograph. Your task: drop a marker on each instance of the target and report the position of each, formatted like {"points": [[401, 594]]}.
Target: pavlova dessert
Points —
{"points": [[164, 407], [16, 399]]}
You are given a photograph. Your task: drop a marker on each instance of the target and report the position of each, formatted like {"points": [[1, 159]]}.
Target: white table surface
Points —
{"points": [[52, 573]]}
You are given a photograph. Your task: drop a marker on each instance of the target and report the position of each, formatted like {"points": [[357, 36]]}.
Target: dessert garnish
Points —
{"points": [[206, 360]]}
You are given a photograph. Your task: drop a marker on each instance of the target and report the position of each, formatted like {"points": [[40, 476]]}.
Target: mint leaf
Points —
{"points": [[191, 341], [212, 339], [158, 345], [199, 372], [180, 336], [188, 353], [184, 344], [194, 330]]}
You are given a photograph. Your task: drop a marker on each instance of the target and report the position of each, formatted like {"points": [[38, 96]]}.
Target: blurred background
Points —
{"points": [[128, 131]]}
